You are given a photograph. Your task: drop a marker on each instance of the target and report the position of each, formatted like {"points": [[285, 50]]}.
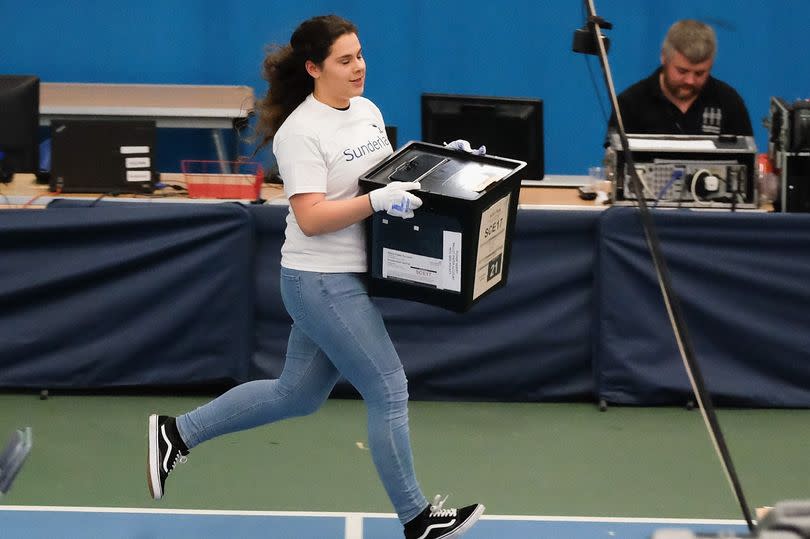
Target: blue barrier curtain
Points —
{"points": [[125, 294]]}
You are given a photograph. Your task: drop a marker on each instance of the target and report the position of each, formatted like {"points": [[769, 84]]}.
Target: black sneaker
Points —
{"points": [[436, 522], [166, 449]]}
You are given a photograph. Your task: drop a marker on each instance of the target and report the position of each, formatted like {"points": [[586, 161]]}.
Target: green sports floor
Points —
{"points": [[518, 459]]}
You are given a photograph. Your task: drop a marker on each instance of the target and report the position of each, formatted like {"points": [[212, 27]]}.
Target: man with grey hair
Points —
{"points": [[681, 97]]}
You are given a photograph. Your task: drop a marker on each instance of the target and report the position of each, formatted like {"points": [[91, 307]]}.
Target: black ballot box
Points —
{"points": [[456, 248]]}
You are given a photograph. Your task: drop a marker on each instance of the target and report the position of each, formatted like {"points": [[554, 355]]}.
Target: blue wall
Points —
{"points": [[511, 47]]}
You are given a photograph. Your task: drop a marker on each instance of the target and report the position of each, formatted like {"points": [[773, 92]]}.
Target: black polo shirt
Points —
{"points": [[718, 109]]}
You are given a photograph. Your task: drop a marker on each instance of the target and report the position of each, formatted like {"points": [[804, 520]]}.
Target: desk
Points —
{"points": [[170, 105], [24, 191], [24, 188], [529, 341], [138, 294], [127, 294], [556, 198], [741, 280], [121, 295]]}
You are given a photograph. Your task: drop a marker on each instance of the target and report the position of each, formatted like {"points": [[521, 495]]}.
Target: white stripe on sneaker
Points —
{"points": [[436, 526], [467, 524], [168, 448]]}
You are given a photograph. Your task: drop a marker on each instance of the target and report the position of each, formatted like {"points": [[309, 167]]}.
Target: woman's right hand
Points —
{"points": [[395, 199]]}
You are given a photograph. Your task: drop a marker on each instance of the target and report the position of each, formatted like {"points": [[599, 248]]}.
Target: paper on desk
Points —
{"points": [[671, 144]]}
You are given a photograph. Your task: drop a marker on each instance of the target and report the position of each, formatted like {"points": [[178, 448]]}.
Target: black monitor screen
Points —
{"points": [[19, 123], [508, 126]]}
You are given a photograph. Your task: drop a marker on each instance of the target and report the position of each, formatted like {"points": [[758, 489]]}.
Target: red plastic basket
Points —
{"points": [[222, 179]]}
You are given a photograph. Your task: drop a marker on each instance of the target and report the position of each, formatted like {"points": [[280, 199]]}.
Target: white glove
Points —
{"points": [[395, 199], [464, 146]]}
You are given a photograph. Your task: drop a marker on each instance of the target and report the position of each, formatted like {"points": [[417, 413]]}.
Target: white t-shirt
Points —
{"points": [[320, 149]]}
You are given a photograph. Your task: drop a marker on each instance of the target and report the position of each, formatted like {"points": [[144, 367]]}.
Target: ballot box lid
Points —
{"points": [[442, 171]]}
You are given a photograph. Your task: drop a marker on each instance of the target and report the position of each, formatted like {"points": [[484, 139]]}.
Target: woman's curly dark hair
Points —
{"points": [[286, 74]]}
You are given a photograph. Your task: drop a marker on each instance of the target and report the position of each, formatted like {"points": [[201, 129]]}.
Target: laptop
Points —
{"points": [[103, 156]]}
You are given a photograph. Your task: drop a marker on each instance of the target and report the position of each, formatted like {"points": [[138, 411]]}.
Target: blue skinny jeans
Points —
{"points": [[336, 330]]}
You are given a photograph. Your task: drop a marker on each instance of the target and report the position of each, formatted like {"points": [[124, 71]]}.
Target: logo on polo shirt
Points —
{"points": [[712, 120]]}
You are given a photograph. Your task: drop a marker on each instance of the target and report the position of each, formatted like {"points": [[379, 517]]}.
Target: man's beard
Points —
{"points": [[680, 91]]}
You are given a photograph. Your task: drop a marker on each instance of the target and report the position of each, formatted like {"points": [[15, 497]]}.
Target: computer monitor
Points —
{"points": [[19, 124], [508, 126]]}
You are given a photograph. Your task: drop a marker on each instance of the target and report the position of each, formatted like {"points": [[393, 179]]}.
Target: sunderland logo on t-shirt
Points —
{"points": [[712, 120], [373, 145]]}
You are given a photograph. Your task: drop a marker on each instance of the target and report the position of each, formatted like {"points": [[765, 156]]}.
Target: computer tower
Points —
{"points": [[103, 156], [789, 151]]}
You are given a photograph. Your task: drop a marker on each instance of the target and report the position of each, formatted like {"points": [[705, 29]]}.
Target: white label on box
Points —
{"points": [[450, 275], [137, 162], [134, 149], [410, 267], [138, 175], [442, 273], [491, 243]]}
